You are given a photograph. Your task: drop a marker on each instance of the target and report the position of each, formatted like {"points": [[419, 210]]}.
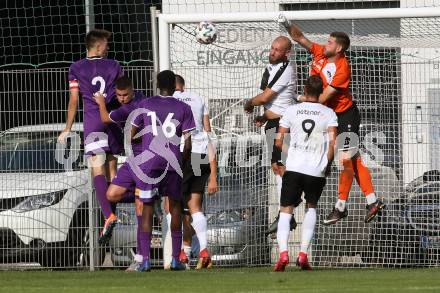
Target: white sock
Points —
{"points": [[138, 258], [168, 216], [279, 181], [371, 198], [187, 249], [200, 225], [308, 228], [283, 231], [340, 205]]}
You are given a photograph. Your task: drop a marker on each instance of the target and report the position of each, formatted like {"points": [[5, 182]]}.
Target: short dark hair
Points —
{"points": [[123, 83], [166, 80], [342, 39], [313, 86], [179, 79], [96, 35]]}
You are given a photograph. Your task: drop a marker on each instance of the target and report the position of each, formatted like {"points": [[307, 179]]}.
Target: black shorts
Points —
{"points": [[270, 140], [348, 128], [294, 184], [194, 183]]}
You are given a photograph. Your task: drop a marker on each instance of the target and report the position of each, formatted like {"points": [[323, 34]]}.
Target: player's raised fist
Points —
{"points": [[283, 22], [99, 98], [248, 107], [260, 120]]}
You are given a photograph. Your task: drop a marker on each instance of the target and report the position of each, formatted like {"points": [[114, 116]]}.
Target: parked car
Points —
{"points": [[237, 214], [348, 242], [236, 226], [409, 233], [44, 214]]}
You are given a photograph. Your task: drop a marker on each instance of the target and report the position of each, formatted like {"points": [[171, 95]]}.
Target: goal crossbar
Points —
{"points": [[164, 20]]}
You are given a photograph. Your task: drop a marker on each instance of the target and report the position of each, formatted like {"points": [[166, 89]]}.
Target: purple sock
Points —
{"points": [[144, 244], [101, 186], [112, 204], [176, 237], [138, 237]]}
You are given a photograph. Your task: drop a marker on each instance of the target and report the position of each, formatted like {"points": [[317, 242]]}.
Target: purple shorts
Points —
{"points": [[101, 139], [170, 185], [124, 177]]}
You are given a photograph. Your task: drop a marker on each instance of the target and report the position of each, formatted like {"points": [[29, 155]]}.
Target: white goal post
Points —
{"points": [[394, 56]]}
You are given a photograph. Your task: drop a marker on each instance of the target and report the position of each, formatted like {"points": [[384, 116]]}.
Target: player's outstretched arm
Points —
{"points": [[100, 100], [265, 97], [328, 93], [71, 113], [295, 32]]}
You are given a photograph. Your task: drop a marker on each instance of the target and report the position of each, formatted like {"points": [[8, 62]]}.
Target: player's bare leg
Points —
{"points": [[111, 166], [97, 164], [279, 170], [200, 225]]}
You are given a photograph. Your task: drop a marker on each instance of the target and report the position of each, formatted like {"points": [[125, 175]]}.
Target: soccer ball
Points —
{"points": [[206, 33]]}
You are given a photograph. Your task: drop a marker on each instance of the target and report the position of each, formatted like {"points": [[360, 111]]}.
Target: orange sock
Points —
{"points": [[363, 176], [345, 179]]}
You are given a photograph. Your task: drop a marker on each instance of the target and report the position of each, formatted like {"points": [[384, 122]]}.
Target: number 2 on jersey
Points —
{"points": [[168, 127], [101, 81]]}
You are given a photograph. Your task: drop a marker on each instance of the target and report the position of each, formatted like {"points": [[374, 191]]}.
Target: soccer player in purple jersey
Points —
{"points": [[122, 188], [97, 74], [164, 121]]}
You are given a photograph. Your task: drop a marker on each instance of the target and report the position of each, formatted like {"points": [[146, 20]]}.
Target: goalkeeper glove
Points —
{"points": [[283, 22]]}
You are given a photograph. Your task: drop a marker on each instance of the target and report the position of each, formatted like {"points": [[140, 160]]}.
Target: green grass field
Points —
{"points": [[224, 280]]}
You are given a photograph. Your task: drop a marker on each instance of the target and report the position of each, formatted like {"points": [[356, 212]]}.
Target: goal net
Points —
{"points": [[395, 83]]}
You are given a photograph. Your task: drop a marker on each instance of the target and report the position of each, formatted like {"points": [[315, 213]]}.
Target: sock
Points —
{"points": [[187, 250], [363, 176], [138, 234], [345, 179], [308, 228], [176, 237], [113, 207], [279, 181], [340, 205], [283, 231], [168, 216], [138, 258], [145, 244], [200, 225], [101, 186], [112, 204], [371, 198]]}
